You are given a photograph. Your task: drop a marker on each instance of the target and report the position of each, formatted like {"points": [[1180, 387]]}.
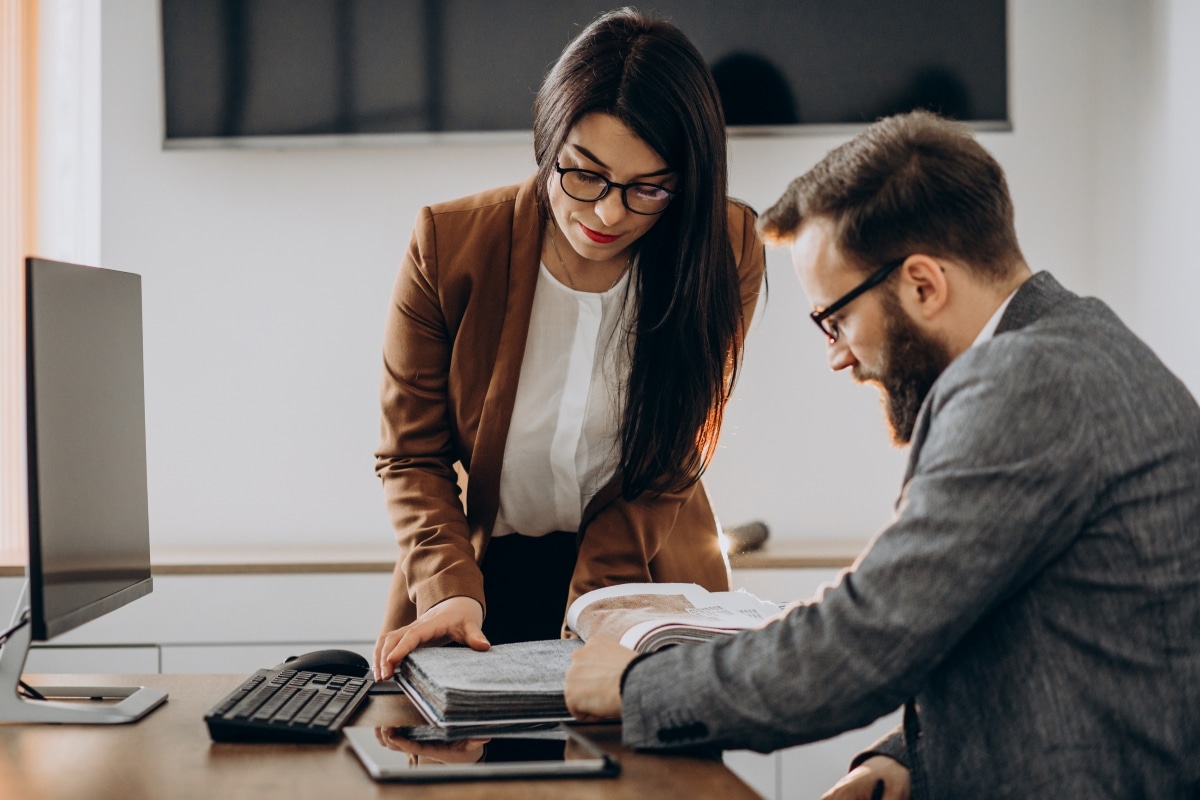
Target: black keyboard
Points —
{"points": [[283, 705]]}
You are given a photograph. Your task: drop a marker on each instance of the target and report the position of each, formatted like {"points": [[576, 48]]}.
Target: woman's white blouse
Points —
{"points": [[562, 446]]}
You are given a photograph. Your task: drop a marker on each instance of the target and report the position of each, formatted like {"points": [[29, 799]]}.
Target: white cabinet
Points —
{"points": [[783, 585], [132, 660], [245, 658], [218, 623], [759, 770], [254, 609]]}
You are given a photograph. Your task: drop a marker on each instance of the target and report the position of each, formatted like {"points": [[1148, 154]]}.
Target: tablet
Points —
{"points": [[429, 753]]}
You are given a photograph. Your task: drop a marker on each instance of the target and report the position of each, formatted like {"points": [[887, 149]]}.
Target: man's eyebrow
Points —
{"points": [[592, 157]]}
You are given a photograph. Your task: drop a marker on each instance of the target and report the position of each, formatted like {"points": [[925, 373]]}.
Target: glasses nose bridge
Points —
{"points": [[614, 188], [607, 189], [613, 197]]}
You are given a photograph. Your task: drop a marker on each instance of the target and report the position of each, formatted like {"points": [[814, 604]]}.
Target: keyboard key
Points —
{"points": [[295, 704]]}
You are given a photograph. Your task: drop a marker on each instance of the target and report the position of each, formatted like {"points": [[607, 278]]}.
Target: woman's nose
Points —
{"points": [[611, 208]]}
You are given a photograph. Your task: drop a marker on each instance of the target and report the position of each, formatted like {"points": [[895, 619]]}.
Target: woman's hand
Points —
{"points": [[455, 619], [459, 751], [877, 778]]}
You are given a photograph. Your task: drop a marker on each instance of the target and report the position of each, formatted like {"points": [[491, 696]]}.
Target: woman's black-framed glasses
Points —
{"points": [[588, 187], [828, 326]]}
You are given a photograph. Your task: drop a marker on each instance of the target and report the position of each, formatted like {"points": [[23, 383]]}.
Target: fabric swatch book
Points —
{"points": [[523, 683]]}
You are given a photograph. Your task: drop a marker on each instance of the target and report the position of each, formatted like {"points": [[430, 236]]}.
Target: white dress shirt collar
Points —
{"points": [[989, 330]]}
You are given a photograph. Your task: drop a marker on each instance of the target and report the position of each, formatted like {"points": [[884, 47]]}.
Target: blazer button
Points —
{"points": [[694, 730]]}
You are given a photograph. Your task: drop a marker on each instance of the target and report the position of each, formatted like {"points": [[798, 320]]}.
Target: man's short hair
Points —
{"points": [[912, 183]]}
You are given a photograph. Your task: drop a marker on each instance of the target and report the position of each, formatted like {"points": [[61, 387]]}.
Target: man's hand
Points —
{"points": [[455, 619], [877, 778], [593, 690]]}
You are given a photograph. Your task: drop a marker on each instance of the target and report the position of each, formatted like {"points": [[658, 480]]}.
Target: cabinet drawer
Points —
{"points": [[246, 658], [113, 660]]}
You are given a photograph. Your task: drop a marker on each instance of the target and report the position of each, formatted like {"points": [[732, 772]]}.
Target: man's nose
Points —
{"points": [[840, 356]]}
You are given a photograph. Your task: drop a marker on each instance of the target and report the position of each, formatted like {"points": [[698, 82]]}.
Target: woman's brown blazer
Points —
{"points": [[455, 337]]}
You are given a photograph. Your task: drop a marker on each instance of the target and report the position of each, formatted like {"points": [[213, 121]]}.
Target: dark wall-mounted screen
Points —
{"points": [[250, 68]]}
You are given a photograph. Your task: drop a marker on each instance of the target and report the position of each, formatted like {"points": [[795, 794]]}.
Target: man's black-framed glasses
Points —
{"points": [[588, 187], [828, 326]]}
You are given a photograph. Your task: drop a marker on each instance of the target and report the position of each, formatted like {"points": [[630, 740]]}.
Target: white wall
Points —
{"points": [[69, 99], [1163, 271], [266, 274]]}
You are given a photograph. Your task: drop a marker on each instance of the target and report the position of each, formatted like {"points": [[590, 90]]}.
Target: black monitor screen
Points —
{"points": [[270, 68], [89, 537]]}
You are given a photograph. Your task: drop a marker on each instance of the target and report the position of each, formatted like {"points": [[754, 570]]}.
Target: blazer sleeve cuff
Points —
{"points": [[465, 581], [625, 673], [893, 746]]}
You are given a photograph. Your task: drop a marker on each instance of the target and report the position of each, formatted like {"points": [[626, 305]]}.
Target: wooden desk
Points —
{"points": [[168, 755]]}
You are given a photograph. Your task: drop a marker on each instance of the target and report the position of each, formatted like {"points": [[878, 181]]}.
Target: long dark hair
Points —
{"points": [[646, 73]]}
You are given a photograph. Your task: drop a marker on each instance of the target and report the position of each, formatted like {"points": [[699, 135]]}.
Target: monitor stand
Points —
{"points": [[135, 701]]}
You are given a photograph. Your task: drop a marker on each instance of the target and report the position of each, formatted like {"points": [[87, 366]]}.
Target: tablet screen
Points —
{"points": [[431, 753]]}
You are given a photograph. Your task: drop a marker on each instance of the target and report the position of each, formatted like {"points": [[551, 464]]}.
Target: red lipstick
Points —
{"points": [[596, 236]]}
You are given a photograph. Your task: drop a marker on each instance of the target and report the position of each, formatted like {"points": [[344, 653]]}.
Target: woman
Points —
{"points": [[569, 344]]}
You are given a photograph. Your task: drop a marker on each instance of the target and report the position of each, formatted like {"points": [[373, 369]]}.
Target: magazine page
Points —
{"points": [[645, 616]]}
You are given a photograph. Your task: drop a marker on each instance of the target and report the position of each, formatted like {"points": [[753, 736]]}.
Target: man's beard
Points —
{"points": [[911, 362]]}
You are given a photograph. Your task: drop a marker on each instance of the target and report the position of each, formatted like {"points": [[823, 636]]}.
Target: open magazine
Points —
{"points": [[523, 683], [648, 616]]}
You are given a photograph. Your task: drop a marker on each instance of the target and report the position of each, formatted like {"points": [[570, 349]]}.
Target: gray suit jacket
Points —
{"points": [[1035, 603]]}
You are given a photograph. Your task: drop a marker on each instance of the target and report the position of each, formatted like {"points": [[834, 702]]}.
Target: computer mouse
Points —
{"points": [[334, 662]]}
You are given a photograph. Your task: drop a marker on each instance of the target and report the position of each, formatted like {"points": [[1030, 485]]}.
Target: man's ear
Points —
{"points": [[924, 290]]}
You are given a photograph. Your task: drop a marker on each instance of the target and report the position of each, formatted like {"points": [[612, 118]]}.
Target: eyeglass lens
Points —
{"points": [[823, 319], [588, 187]]}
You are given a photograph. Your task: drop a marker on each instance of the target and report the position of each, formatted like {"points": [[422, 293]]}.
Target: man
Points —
{"points": [[1035, 603]]}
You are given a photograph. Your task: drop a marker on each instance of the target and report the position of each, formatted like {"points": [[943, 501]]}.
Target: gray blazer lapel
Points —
{"points": [[1035, 297]]}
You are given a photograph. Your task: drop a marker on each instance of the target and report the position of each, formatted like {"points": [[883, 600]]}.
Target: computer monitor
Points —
{"points": [[89, 533]]}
